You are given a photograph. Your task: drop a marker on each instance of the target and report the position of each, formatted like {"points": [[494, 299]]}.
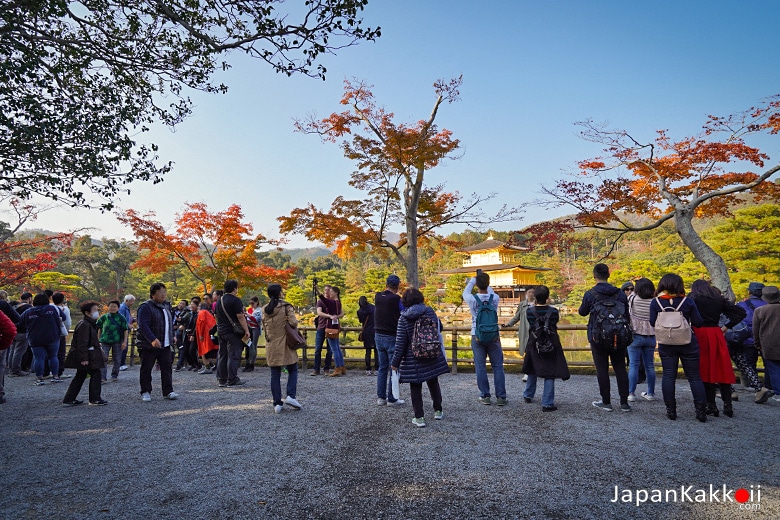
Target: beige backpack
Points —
{"points": [[671, 327]]}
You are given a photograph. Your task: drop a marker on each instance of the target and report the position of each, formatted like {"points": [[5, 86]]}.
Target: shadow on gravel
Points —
{"points": [[223, 453]]}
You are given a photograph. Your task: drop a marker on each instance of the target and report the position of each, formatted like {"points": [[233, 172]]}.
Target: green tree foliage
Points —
{"points": [[750, 245], [80, 80]]}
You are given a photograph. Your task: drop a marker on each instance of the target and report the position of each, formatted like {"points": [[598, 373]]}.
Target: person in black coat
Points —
{"points": [[414, 370], [86, 357], [550, 366]]}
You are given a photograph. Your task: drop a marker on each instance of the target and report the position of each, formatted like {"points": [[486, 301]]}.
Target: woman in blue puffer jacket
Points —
{"points": [[417, 370]]}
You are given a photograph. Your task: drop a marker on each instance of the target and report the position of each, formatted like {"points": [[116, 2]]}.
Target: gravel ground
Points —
{"points": [[223, 453]]}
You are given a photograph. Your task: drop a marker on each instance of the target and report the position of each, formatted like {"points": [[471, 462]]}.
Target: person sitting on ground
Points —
{"points": [[86, 357], [415, 369], [540, 361]]}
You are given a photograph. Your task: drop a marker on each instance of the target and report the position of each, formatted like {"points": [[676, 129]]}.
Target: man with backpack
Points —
{"points": [[485, 340], [609, 333]]}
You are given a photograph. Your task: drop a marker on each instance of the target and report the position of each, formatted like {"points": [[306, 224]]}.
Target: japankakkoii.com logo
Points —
{"points": [[748, 499]]}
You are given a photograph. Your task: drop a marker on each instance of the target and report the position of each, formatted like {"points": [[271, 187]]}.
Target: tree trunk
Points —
{"points": [[412, 193], [715, 265]]}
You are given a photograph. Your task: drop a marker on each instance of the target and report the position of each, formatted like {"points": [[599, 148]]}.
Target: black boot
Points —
{"points": [[671, 409], [725, 391], [701, 414], [712, 409]]}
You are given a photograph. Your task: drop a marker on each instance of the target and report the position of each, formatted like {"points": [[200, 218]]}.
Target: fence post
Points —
{"points": [[454, 350], [305, 344]]}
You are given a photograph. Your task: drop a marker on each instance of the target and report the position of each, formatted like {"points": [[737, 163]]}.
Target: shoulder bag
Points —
{"points": [[238, 330]]}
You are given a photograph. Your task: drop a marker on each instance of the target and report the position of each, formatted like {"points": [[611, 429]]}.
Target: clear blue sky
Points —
{"points": [[530, 70]]}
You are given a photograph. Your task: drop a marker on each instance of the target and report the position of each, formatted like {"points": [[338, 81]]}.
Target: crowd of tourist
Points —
{"points": [[700, 330]]}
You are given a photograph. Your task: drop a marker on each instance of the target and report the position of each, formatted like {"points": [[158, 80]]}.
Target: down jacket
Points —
{"points": [[411, 369]]}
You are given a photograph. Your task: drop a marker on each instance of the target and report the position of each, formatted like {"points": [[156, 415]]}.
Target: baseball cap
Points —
{"points": [[393, 281]]}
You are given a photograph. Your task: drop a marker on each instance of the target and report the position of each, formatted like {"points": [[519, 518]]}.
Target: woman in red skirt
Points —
{"points": [[714, 359]]}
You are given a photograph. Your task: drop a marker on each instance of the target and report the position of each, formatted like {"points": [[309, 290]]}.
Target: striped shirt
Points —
{"points": [[639, 310]]}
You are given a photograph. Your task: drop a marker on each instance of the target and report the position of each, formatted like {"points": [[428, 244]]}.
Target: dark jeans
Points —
{"points": [[150, 356], [602, 358], [369, 350], [415, 390], [61, 355], [276, 382], [251, 348], [95, 385], [192, 353], [671, 357], [16, 352], [229, 358], [319, 341]]}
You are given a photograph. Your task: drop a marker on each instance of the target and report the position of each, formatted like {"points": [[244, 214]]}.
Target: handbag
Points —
{"points": [[331, 333], [238, 330], [294, 337]]}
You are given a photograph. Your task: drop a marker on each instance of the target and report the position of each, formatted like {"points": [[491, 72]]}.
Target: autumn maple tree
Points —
{"points": [[24, 255], [392, 162], [213, 247], [673, 180]]}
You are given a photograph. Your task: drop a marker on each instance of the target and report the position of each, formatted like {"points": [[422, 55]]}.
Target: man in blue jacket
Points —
{"points": [[155, 339]]}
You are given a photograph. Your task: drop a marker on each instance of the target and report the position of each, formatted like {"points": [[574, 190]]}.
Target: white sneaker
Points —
{"points": [[123, 368], [172, 396], [146, 397], [293, 402], [397, 402], [525, 378], [380, 401], [631, 398], [649, 397], [278, 408]]}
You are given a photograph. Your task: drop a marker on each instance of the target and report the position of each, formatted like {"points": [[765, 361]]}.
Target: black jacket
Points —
{"points": [[386, 313], [553, 366], [603, 290], [85, 336]]}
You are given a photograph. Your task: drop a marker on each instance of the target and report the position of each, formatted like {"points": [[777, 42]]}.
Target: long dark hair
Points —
{"points": [[362, 301], [274, 292], [704, 288]]}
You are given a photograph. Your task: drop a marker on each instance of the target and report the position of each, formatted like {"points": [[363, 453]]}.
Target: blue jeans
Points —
{"points": [[548, 396], [276, 382], [772, 374], [319, 341], [641, 351], [687, 355], [116, 355], [385, 348], [481, 353], [43, 352], [335, 348]]}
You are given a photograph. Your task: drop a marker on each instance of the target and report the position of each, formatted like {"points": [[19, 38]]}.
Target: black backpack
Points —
{"points": [[544, 336], [611, 328]]}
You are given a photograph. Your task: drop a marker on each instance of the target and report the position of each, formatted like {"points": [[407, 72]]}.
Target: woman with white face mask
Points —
{"points": [[86, 357]]}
